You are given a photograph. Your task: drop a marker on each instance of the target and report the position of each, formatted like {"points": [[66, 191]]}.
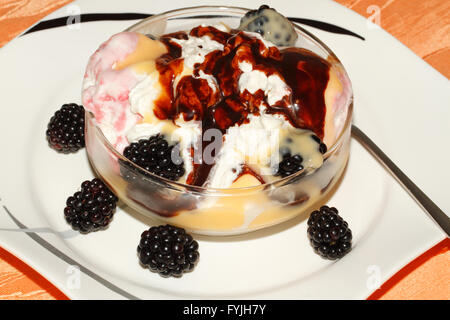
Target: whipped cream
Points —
{"points": [[194, 49], [273, 86], [254, 144]]}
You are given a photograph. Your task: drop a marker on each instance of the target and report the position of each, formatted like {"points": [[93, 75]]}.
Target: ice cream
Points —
{"points": [[212, 78], [234, 113]]}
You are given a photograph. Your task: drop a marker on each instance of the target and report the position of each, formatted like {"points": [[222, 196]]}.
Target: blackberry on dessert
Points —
{"points": [[91, 208], [271, 25], [290, 163], [155, 155], [322, 146]]}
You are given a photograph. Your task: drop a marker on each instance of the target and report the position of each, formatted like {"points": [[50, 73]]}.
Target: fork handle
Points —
{"points": [[426, 203]]}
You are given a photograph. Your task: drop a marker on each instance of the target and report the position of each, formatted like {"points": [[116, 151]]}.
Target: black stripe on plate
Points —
{"points": [[325, 26], [86, 17], [68, 259], [89, 17]]}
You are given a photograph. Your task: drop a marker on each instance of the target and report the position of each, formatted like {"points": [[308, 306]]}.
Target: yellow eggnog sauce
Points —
{"points": [[226, 212], [237, 210], [146, 50]]}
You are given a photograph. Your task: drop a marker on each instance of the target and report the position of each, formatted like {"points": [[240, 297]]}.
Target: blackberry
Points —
{"points": [[264, 6], [168, 250], [289, 165], [257, 11], [322, 146], [329, 234], [154, 155], [270, 24], [92, 208], [65, 130]]}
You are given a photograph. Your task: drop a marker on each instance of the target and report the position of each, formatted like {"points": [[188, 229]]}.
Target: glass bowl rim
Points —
{"points": [[177, 185]]}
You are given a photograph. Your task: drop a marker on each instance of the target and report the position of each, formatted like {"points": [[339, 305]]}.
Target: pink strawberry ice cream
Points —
{"points": [[107, 85]]}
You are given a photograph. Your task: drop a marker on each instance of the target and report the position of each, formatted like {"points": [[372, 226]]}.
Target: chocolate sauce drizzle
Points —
{"points": [[304, 72]]}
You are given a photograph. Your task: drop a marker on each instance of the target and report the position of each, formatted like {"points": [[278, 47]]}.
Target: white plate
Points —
{"points": [[400, 102]]}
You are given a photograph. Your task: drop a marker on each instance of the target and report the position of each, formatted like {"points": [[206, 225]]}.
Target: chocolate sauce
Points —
{"points": [[213, 33], [303, 71], [307, 75]]}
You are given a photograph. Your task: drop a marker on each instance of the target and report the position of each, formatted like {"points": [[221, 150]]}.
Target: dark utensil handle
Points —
{"points": [[426, 203]]}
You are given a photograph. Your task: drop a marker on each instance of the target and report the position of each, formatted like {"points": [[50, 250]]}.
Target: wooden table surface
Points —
{"points": [[423, 26]]}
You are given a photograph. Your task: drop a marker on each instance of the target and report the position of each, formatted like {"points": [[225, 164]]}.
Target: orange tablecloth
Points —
{"points": [[423, 26]]}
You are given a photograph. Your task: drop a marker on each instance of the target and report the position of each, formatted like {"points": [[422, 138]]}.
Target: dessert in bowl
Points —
{"points": [[219, 120]]}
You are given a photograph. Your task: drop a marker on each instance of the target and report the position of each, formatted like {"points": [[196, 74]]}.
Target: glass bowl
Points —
{"points": [[225, 211]]}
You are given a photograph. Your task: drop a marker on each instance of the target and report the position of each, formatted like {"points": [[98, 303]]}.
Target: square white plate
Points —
{"points": [[400, 102]]}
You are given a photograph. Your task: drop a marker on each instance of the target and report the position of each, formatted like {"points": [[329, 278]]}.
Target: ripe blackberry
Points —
{"points": [[92, 208], [154, 155], [289, 165], [168, 250], [65, 130], [329, 234], [322, 146], [293, 163]]}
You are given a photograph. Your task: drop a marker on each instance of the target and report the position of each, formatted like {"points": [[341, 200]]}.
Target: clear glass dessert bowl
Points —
{"points": [[236, 210]]}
